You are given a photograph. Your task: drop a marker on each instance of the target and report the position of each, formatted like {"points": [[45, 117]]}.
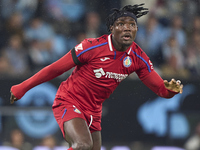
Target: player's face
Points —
{"points": [[124, 31]]}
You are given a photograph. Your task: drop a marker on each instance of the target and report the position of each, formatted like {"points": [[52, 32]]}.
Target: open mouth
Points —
{"points": [[126, 37]]}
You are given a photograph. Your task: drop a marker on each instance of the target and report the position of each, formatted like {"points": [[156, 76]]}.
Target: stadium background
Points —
{"points": [[35, 33]]}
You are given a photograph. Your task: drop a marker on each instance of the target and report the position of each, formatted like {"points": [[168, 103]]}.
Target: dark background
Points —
{"points": [[119, 122]]}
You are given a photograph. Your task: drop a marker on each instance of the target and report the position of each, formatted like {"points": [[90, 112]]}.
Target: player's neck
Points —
{"points": [[118, 46]]}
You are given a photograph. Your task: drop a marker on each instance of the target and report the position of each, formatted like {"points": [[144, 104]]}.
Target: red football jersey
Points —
{"points": [[100, 68]]}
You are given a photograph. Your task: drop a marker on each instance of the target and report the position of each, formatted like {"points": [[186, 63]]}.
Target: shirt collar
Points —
{"points": [[111, 47], [110, 42]]}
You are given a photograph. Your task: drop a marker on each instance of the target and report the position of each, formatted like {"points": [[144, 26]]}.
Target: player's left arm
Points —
{"points": [[152, 79], [162, 87], [174, 85]]}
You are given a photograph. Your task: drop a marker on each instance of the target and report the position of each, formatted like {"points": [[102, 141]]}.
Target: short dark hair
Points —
{"points": [[137, 10]]}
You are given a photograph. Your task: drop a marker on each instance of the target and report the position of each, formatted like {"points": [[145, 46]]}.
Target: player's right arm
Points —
{"points": [[46, 74]]}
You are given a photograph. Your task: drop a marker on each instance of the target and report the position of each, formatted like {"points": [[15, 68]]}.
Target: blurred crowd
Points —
{"points": [[35, 33], [18, 141]]}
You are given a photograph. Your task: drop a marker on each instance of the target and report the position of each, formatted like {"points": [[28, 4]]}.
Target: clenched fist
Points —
{"points": [[12, 98]]}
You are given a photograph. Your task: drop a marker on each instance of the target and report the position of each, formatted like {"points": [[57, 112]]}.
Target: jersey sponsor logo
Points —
{"points": [[104, 59], [79, 47], [117, 76], [127, 62]]}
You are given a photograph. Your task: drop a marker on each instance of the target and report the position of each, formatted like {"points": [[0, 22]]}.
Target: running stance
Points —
{"points": [[100, 65]]}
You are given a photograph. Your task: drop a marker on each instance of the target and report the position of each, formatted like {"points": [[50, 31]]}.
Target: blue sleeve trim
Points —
{"points": [[142, 60], [91, 48]]}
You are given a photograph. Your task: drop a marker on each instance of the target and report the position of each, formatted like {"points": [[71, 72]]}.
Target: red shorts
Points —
{"points": [[64, 110]]}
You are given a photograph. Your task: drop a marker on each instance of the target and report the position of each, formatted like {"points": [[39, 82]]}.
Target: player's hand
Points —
{"points": [[12, 98], [174, 85]]}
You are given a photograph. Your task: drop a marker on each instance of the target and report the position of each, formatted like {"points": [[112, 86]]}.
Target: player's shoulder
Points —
{"points": [[95, 41], [89, 44], [137, 49], [138, 53]]}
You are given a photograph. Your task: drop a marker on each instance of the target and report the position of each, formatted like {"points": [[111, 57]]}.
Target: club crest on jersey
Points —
{"points": [[79, 47], [127, 61]]}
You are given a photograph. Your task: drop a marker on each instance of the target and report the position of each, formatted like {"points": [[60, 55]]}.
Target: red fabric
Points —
{"points": [[156, 84], [65, 110], [70, 148], [46, 74], [102, 70]]}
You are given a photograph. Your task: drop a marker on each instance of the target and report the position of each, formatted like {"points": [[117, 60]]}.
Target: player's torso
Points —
{"points": [[106, 66], [100, 70]]}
